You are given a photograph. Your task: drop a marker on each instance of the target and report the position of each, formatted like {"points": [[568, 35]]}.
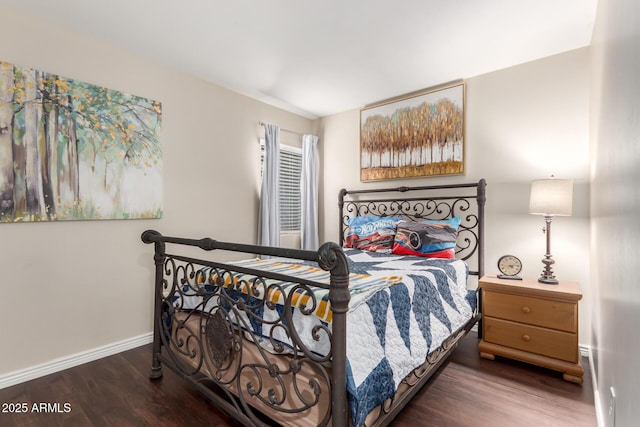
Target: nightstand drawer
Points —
{"points": [[533, 339], [533, 311]]}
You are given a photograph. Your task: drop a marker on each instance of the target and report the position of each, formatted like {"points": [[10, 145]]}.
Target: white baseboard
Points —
{"points": [[585, 351], [57, 365]]}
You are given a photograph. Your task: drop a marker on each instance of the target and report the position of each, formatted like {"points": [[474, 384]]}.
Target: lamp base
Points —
{"points": [[548, 280], [547, 276]]}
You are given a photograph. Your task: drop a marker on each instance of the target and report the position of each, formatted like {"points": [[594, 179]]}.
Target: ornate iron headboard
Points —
{"points": [[430, 202]]}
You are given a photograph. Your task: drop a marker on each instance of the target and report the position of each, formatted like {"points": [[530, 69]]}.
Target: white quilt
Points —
{"points": [[392, 334]]}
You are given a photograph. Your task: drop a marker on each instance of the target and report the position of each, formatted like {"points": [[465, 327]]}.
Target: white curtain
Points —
{"points": [[269, 226], [309, 193]]}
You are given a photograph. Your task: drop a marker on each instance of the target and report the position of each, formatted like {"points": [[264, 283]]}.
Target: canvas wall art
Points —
{"points": [[71, 150], [418, 135]]}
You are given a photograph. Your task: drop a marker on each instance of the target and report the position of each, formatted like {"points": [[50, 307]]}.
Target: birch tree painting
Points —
{"points": [[421, 135], [71, 150]]}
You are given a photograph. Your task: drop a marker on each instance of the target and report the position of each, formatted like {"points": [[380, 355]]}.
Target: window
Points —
{"points": [[289, 186], [289, 180]]}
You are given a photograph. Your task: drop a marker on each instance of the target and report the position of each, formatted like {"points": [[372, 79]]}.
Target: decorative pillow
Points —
{"points": [[427, 238], [371, 233]]}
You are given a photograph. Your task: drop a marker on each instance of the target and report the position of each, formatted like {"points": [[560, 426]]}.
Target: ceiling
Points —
{"points": [[317, 58]]}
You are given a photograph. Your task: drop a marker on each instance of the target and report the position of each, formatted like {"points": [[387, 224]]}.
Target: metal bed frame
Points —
{"points": [[216, 345]]}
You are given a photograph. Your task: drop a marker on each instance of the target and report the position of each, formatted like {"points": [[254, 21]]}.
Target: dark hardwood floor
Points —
{"points": [[468, 392]]}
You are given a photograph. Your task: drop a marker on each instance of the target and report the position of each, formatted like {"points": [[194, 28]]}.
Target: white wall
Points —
{"points": [[615, 207], [522, 123], [69, 287]]}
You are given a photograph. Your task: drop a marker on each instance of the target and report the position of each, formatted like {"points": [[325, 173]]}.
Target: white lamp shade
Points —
{"points": [[551, 197]]}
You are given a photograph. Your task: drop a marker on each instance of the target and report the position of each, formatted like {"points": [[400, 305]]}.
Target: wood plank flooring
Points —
{"points": [[468, 392]]}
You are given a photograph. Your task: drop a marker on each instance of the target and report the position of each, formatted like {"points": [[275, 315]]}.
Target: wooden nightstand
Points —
{"points": [[532, 322]]}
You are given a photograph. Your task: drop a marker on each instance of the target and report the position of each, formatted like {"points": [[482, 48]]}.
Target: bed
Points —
{"points": [[342, 336]]}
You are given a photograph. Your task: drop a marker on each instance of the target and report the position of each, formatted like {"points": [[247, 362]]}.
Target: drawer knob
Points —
{"points": [[526, 337], [526, 310]]}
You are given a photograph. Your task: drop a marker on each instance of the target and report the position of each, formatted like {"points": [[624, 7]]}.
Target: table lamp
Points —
{"points": [[550, 197]]}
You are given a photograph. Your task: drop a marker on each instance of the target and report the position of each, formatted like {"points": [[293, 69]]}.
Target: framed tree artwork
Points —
{"points": [[71, 150], [415, 135]]}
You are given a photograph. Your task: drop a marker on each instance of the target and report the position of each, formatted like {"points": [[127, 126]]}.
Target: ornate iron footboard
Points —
{"points": [[220, 302], [207, 315]]}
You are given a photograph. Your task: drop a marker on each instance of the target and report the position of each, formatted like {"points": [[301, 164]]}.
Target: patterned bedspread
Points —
{"points": [[399, 326], [401, 310]]}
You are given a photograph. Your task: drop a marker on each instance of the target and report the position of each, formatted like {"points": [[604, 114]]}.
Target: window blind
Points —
{"points": [[289, 186]]}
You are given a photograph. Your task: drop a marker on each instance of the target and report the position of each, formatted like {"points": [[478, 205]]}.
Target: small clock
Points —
{"points": [[509, 267]]}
